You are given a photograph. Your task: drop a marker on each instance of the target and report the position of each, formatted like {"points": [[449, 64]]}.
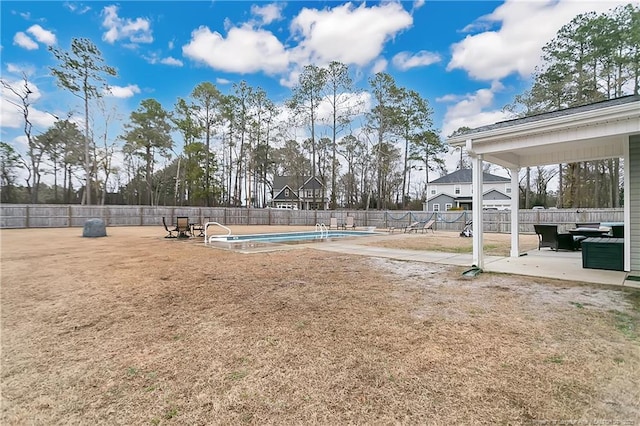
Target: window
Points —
{"points": [[507, 189], [456, 189], [308, 193], [433, 191], [286, 193], [436, 207], [448, 206]]}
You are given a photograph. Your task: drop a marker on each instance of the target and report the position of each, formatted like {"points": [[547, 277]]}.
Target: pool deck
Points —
{"points": [[536, 263]]}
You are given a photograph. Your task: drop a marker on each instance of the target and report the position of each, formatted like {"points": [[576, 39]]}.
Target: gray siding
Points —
{"points": [[441, 199], [634, 200]]}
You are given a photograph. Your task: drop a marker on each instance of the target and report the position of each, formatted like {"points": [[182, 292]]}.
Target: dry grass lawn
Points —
{"points": [[138, 329]]}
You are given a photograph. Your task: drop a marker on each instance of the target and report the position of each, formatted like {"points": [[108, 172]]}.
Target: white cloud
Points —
{"points": [[136, 31], [469, 111], [80, 9], [170, 45], [379, 66], [42, 35], [405, 60], [171, 61], [523, 29], [123, 92], [417, 4], [222, 81], [24, 41], [268, 13], [27, 69], [245, 50], [351, 35]]}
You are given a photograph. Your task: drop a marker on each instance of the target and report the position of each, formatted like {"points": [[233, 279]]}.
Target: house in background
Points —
{"points": [[455, 191], [299, 193]]}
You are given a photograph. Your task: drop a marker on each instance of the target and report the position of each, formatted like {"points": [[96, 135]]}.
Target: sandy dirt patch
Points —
{"points": [[138, 329]]}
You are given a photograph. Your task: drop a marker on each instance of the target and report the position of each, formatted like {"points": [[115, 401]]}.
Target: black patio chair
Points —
{"points": [[170, 231], [548, 236]]}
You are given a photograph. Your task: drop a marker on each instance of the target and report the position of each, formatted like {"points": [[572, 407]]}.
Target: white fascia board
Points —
{"points": [[630, 111]]}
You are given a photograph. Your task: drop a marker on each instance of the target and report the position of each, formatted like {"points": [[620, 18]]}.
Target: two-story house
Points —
{"points": [[455, 191], [299, 193]]}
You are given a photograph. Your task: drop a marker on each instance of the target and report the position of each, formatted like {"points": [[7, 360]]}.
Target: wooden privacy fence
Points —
{"points": [[59, 216]]}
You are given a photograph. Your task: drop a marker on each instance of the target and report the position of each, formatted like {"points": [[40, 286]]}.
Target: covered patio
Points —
{"points": [[603, 130]]}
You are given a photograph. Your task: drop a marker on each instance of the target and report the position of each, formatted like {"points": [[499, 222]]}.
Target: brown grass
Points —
{"points": [[137, 329]]}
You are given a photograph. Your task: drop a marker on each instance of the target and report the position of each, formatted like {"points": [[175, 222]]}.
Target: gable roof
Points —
{"points": [[293, 182], [494, 194], [465, 176], [312, 183], [292, 194]]}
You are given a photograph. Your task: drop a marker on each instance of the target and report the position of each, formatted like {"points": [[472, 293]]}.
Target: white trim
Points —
{"points": [[546, 125], [627, 206], [476, 212], [515, 223]]}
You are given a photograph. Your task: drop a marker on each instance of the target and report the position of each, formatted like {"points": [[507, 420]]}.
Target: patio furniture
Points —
{"points": [[333, 223], [199, 226], [183, 228], [170, 231], [421, 226], [617, 231], [589, 232], [588, 225], [603, 253], [548, 236], [350, 223], [413, 227]]}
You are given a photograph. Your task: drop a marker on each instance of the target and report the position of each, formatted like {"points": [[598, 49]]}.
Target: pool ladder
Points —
{"points": [[206, 227], [322, 228]]}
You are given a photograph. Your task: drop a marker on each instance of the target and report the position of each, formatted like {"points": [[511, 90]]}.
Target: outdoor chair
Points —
{"points": [[617, 231], [170, 231], [350, 223], [182, 227], [333, 223], [548, 236], [428, 225], [199, 227], [413, 227]]}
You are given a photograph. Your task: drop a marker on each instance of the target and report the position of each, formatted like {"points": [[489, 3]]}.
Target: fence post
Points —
{"points": [[26, 217], [69, 216]]}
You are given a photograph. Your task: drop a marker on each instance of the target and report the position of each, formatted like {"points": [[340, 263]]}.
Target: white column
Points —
{"points": [[628, 196], [515, 222], [478, 254]]}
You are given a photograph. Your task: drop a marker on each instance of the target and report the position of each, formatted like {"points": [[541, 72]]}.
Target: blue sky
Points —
{"points": [[467, 58]]}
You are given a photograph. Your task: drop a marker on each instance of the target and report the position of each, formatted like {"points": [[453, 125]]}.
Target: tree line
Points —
{"points": [[216, 149]]}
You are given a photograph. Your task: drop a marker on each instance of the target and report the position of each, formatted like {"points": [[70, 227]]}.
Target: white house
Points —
{"points": [[455, 190]]}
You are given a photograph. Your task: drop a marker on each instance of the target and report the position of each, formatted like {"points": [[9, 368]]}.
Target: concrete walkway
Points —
{"points": [[536, 263]]}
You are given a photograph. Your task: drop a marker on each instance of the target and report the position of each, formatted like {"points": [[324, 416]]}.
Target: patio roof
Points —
{"points": [[590, 132]]}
